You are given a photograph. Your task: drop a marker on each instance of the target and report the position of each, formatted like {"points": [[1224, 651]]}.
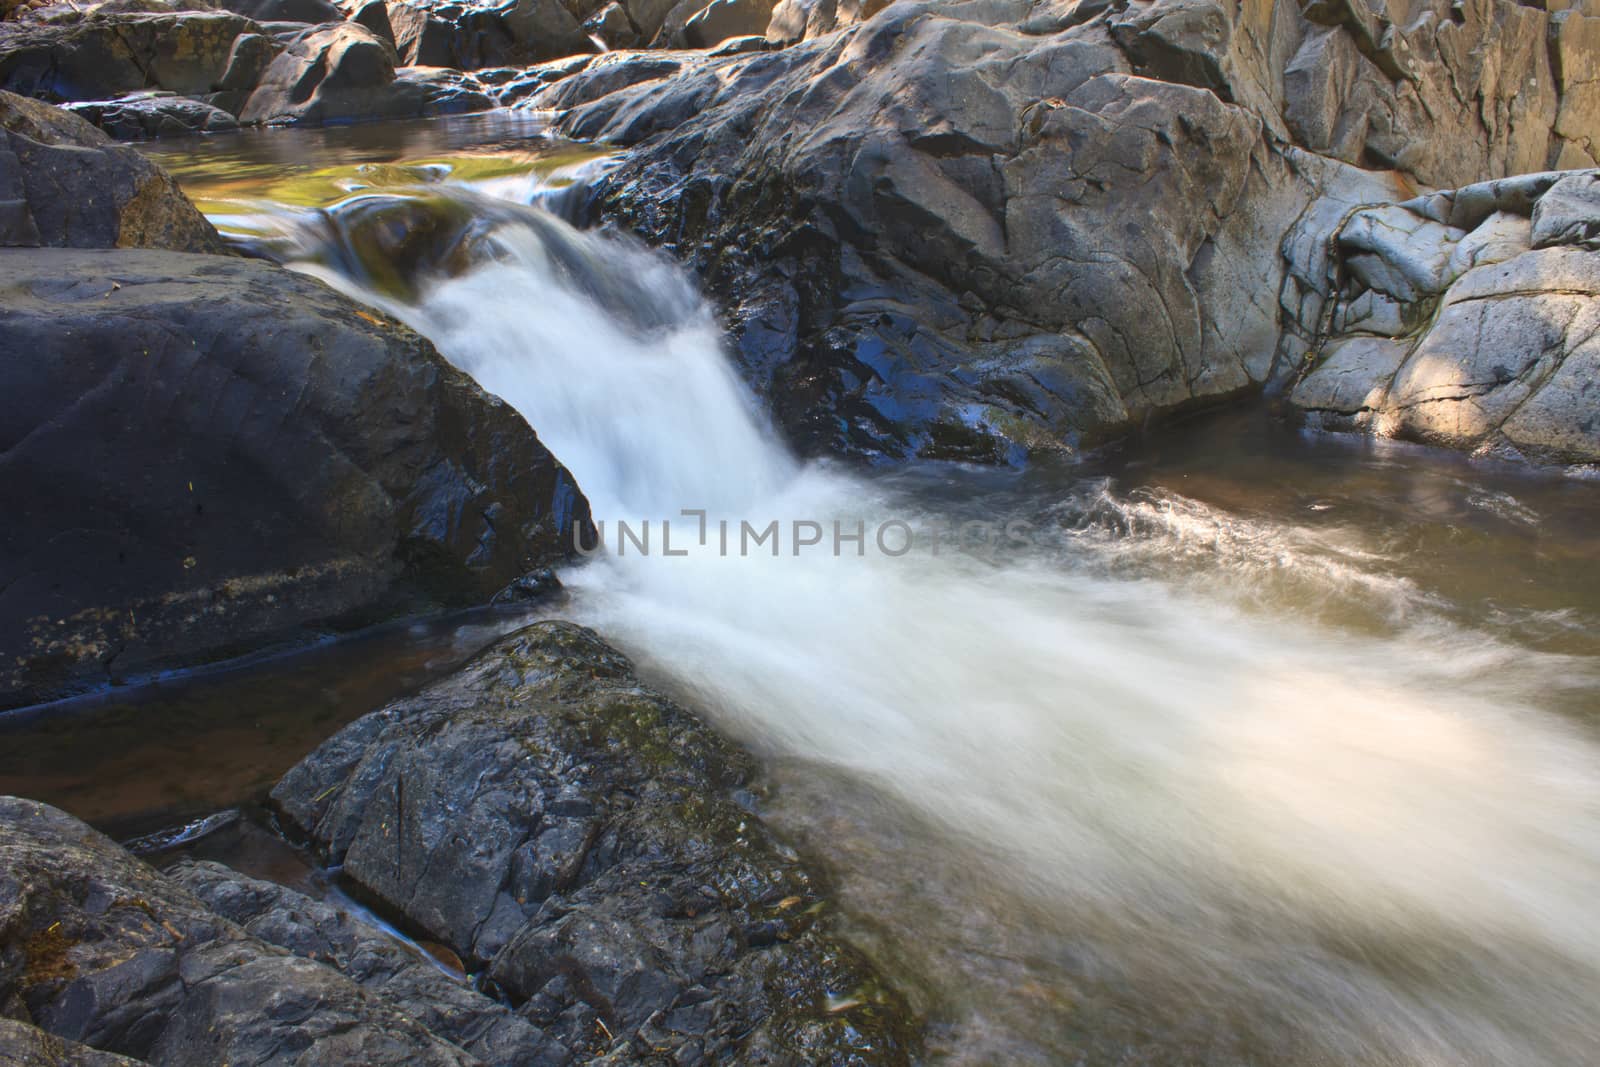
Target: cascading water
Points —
{"points": [[1187, 772]]}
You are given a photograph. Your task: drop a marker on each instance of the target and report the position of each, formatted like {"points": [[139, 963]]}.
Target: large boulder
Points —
{"points": [[327, 73], [1468, 319], [722, 19], [64, 184], [203, 453], [64, 54], [546, 814], [22, 1045], [972, 230], [97, 948]]}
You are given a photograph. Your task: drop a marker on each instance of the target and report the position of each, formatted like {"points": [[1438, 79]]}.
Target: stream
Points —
{"points": [[1228, 744]]}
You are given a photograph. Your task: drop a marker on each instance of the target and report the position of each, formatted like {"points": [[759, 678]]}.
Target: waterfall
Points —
{"points": [[1132, 715]]}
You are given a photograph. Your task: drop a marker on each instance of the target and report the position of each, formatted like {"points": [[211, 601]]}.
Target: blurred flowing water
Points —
{"points": [[1239, 746]]}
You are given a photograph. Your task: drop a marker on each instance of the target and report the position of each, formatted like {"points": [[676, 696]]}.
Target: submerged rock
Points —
{"points": [[97, 948], [64, 184], [206, 453], [546, 815]]}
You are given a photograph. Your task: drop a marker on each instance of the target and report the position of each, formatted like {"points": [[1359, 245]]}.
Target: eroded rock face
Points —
{"points": [[64, 184], [22, 1045], [973, 230], [546, 813], [1469, 319], [470, 34], [98, 949], [201, 453]]}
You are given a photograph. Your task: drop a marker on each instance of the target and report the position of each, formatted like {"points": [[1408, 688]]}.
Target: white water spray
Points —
{"points": [[1389, 841]]}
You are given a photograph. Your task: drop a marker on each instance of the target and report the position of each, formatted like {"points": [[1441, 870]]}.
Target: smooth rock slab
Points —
{"points": [[138, 118]]}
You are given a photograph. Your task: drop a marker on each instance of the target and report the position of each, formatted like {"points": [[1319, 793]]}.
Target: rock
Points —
{"points": [[148, 115], [1575, 62], [399, 974], [311, 12], [444, 91], [100, 949], [204, 454], [63, 183], [63, 54], [973, 231], [544, 812], [22, 1045], [722, 19], [484, 33], [798, 20], [327, 73], [1507, 365], [1569, 214], [606, 74], [612, 25]]}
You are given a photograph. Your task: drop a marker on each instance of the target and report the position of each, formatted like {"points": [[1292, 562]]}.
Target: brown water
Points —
{"points": [[1261, 748]]}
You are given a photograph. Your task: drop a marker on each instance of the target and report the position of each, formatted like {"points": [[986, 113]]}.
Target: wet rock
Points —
{"points": [[207, 453], [396, 972], [328, 73], [444, 91], [483, 33], [64, 54], [547, 814], [150, 115], [63, 183], [612, 25], [22, 1045], [973, 231], [101, 950], [1491, 346]]}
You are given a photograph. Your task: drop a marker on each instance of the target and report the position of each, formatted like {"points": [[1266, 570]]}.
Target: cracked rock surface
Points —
{"points": [[550, 818], [1494, 346]]}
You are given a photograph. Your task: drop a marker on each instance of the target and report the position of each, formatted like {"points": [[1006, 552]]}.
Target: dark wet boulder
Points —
{"points": [[150, 115], [203, 453], [64, 54], [444, 91], [397, 972], [545, 813], [63, 183], [22, 1045], [98, 948], [329, 73]]}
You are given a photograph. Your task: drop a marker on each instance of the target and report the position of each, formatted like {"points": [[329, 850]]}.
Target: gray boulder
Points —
{"points": [[545, 813], [204, 454], [327, 73], [63, 183], [99, 949], [1492, 348], [398, 973], [722, 19], [975, 230]]}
